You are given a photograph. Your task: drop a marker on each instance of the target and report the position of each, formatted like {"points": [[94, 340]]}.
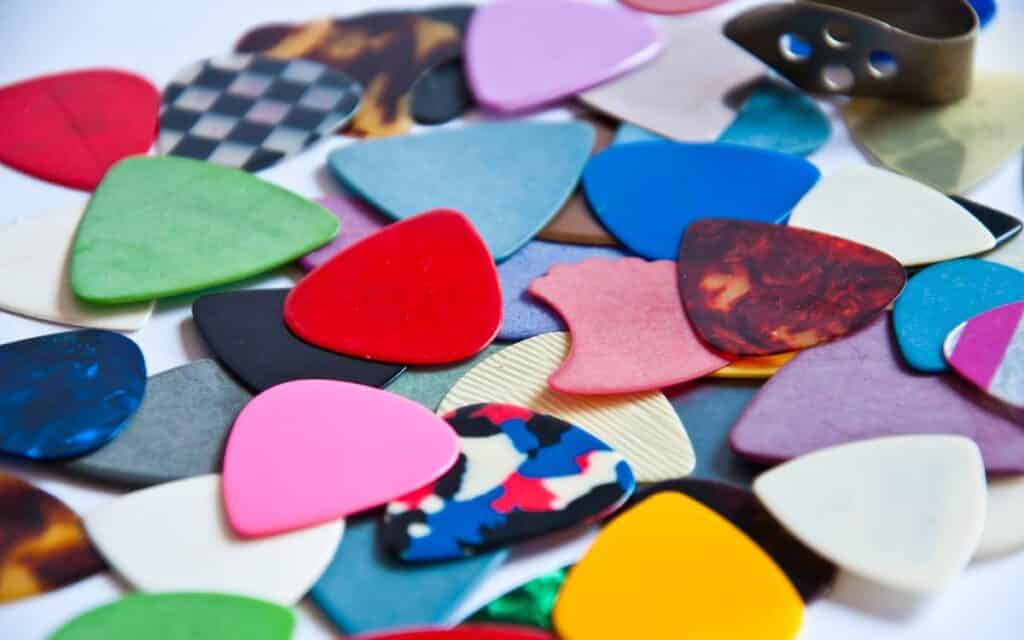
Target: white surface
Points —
{"points": [[157, 39], [175, 537], [1004, 522]]}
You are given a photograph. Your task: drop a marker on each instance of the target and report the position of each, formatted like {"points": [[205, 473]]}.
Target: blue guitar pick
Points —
{"points": [[779, 119]]}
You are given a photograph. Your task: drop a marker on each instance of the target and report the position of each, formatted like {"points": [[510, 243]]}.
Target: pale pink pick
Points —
{"points": [[671, 7], [521, 54], [310, 451], [629, 330]]}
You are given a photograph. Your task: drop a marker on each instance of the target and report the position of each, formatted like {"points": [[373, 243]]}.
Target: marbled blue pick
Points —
{"points": [[364, 589], [779, 119], [942, 296], [647, 193], [524, 316], [66, 394], [509, 178]]}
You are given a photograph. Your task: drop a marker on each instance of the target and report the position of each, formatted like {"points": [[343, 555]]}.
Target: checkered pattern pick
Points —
{"points": [[249, 111]]}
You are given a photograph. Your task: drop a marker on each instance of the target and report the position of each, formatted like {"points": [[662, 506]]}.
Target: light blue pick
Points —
{"points": [[364, 589], [942, 296], [509, 178]]}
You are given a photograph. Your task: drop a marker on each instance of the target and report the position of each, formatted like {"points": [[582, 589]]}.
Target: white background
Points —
{"points": [[156, 39]]}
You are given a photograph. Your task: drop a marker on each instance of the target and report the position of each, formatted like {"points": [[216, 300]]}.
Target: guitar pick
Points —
{"points": [[178, 432], [364, 589], [629, 330], [522, 54], [386, 52], [520, 475], [732, 589], [673, 184], [45, 547], [528, 605], [1004, 527], [466, 632], [70, 128], [988, 351], [198, 552], [714, 406], [942, 296], [66, 394], [34, 265], [172, 616], [575, 223], [754, 289], [886, 211], [429, 385], [858, 388], [232, 323], [986, 10], [357, 221], [904, 511], [423, 291], [523, 315], [160, 227], [250, 112], [671, 7], [629, 132], [778, 118], [755, 367], [478, 169], [1002, 226], [951, 147], [519, 375], [652, 97], [442, 93], [309, 451]]}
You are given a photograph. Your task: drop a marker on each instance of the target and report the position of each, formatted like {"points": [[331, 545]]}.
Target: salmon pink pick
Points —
{"points": [[69, 128], [421, 291]]}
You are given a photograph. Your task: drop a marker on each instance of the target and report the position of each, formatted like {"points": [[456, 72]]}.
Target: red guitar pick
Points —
{"points": [[421, 291], [69, 128], [467, 632]]}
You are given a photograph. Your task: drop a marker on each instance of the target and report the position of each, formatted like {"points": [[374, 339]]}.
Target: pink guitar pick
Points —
{"points": [[522, 54], [310, 451], [671, 7]]}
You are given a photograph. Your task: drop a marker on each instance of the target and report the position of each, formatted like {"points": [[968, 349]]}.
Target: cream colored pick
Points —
{"points": [[1004, 523]]}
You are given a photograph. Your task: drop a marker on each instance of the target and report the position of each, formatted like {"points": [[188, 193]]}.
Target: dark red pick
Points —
{"points": [[69, 128], [421, 291]]}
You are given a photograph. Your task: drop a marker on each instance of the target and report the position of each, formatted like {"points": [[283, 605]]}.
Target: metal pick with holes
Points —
{"points": [[904, 50]]}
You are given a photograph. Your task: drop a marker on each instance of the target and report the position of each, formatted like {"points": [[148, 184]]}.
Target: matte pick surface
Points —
{"points": [[387, 52], [886, 211], [755, 289], [423, 291], [178, 432], [523, 315], [671, 7], [160, 227], [811, 574], [648, 193], [988, 351], [249, 112], [66, 394], [520, 475], [904, 511], [247, 333], [309, 451], [35, 256], [479, 170], [70, 128], [1004, 526], [464, 632], [733, 589], [173, 616], [365, 589], [942, 296], [519, 375], [44, 544], [429, 385], [629, 330], [858, 388], [529, 605], [521, 54], [778, 118], [951, 147], [175, 537], [357, 221]]}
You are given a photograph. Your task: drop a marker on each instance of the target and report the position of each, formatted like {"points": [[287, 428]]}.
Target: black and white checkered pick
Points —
{"points": [[249, 111]]}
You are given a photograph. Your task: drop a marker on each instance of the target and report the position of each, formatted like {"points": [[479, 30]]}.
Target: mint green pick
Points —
{"points": [[163, 226]]}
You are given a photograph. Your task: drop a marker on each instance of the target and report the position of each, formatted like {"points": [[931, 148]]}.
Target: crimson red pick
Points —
{"points": [[69, 128], [467, 632], [421, 291]]}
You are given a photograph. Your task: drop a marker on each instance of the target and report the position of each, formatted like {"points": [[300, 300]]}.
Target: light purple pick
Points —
{"points": [[524, 316], [521, 54], [857, 388], [358, 220]]}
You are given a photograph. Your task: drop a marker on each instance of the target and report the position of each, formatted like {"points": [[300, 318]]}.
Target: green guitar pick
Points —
{"points": [[159, 227], [177, 616]]}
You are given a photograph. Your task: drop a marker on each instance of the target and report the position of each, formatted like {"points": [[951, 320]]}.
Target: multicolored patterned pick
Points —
{"points": [[988, 350], [520, 474]]}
